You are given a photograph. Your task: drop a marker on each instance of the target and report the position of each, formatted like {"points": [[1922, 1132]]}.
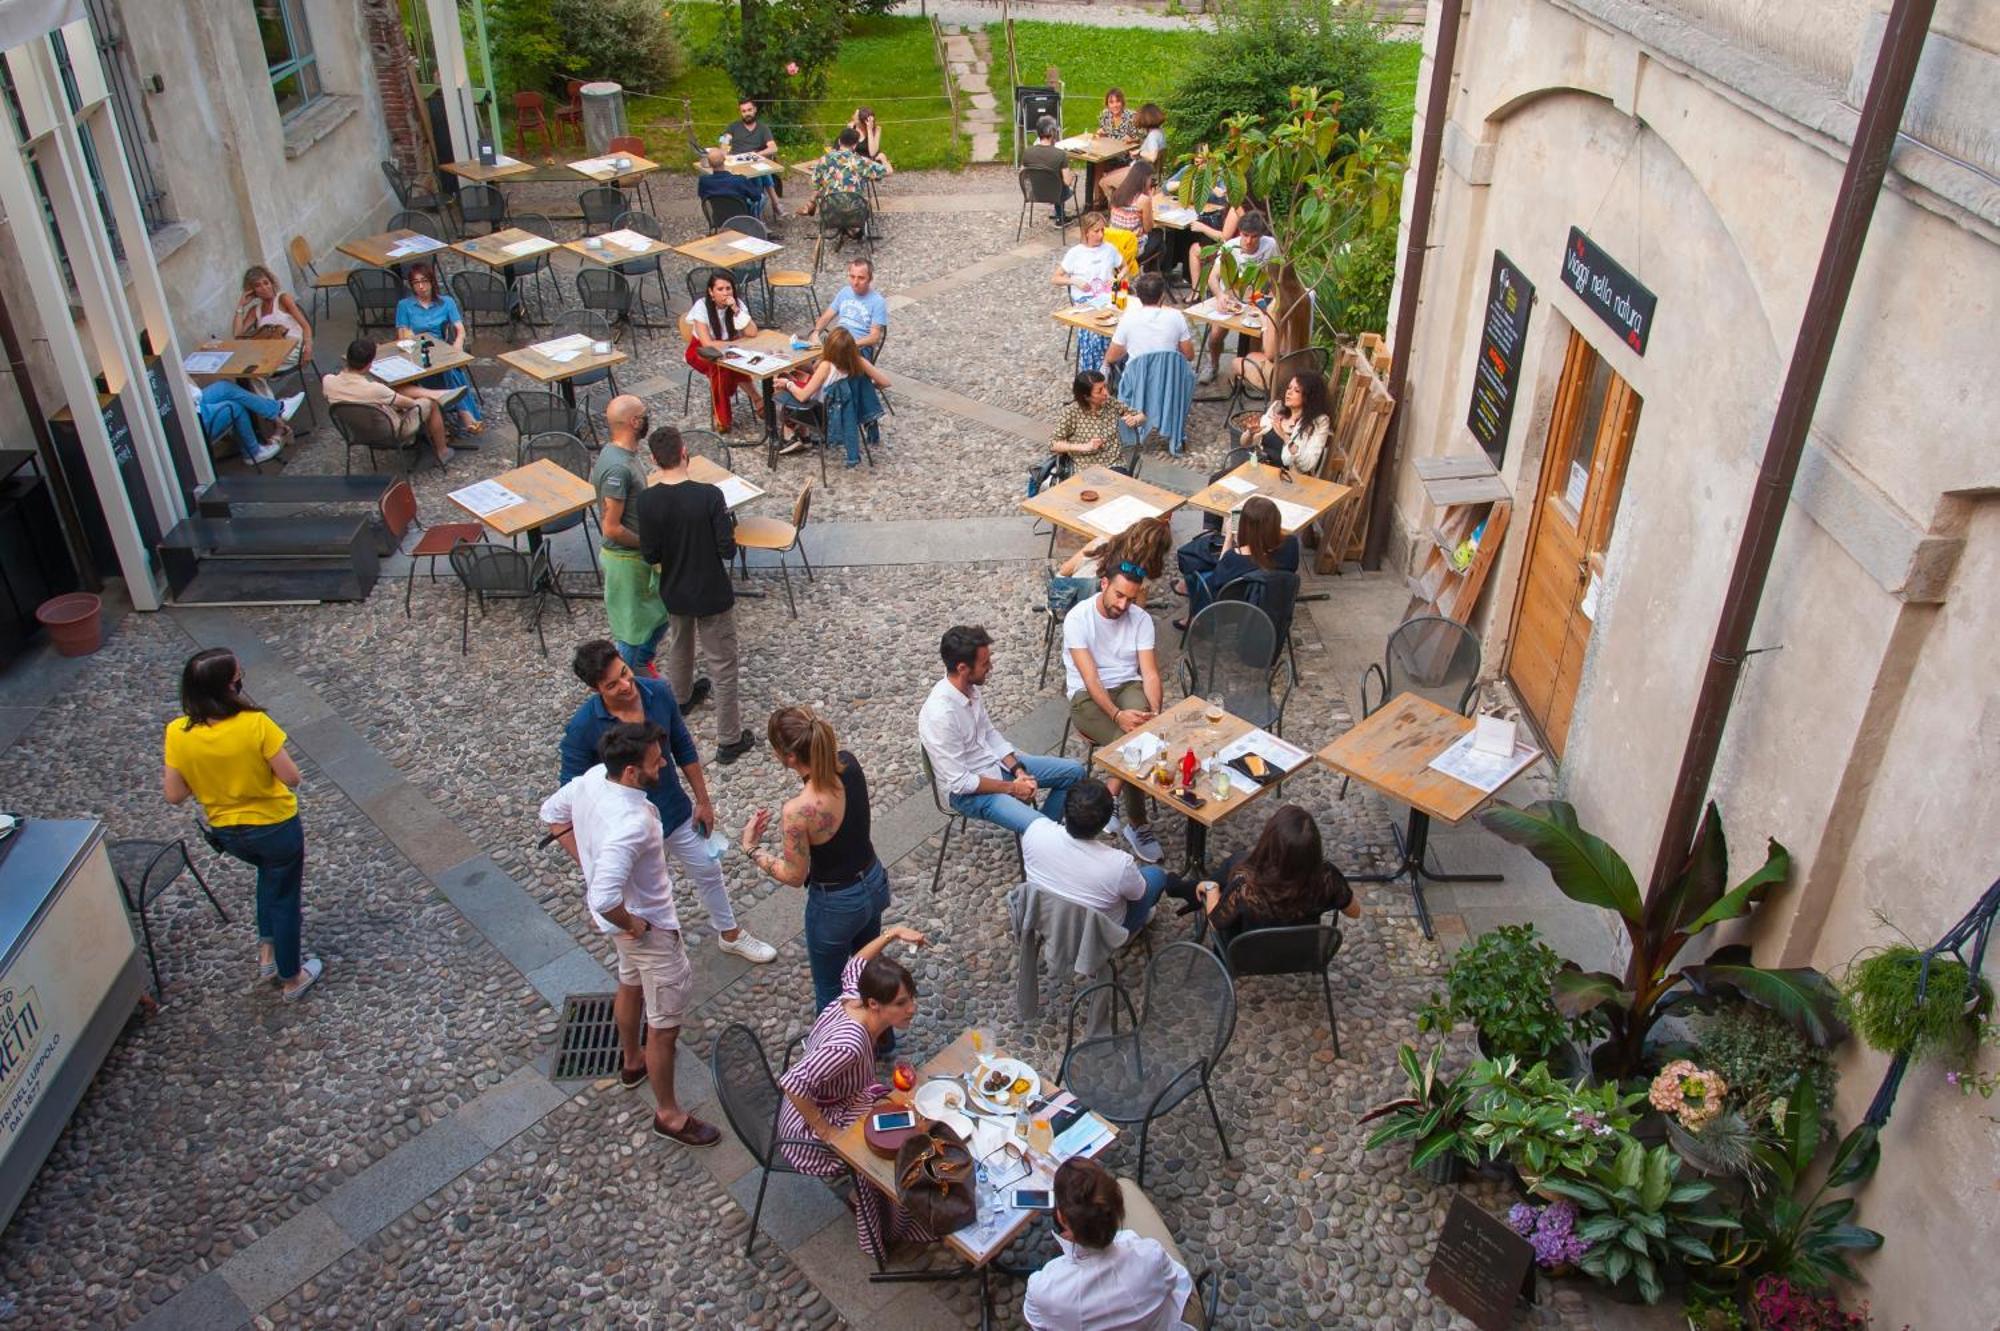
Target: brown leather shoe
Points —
{"points": [[694, 1132]]}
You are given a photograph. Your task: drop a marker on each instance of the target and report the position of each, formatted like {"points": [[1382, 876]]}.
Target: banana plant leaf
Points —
{"points": [[1801, 995], [1585, 867]]}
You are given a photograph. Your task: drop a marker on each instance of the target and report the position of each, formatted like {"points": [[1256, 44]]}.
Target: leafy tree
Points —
{"points": [[1262, 48], [778, 52]]}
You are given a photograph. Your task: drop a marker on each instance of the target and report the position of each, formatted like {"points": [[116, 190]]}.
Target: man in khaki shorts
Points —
{"points": [[622, 849], [410, 410]]}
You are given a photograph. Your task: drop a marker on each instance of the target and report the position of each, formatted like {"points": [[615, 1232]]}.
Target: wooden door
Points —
{"points": [[1583, 471]]}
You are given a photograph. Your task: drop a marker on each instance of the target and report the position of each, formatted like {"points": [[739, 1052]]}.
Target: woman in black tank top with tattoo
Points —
{"points": [[824, 831]]}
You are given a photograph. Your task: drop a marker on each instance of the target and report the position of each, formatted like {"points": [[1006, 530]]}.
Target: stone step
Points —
{"points": [[983, 101], [973, 80], [985, 147]]}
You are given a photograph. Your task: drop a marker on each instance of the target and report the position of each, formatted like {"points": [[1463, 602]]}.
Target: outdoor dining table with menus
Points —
{"points": [[1018, 1126], [1098, 501]]}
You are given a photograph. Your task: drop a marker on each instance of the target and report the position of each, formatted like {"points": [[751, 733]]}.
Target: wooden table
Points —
{"points": [[492, 250], [751, 166], [714, 473], [539, 367], [1183, 726], [611, 255], [1064, 505], [1099, 319], [772, 342], [601, 170], [503, 168], [249, 358], [548, 493], [719, 250], [444, 356], [374, 250], [1391, 750], [851, 1144], [1309, 492], [1211, 312], [1094, 150]]}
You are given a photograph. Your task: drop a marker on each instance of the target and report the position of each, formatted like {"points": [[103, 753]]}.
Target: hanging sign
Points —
{"points": [[1497, 377], [1607, 288]]}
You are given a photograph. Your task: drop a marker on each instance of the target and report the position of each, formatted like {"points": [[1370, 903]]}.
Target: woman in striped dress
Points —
{"points": [[836, 1072]]}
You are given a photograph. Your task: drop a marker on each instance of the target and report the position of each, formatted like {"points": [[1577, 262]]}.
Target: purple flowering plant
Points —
{"points": [[1551, 1230]]}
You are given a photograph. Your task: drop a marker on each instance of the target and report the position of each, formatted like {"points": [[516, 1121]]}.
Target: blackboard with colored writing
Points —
{"points": [[1602, 283], [1497, 378]]}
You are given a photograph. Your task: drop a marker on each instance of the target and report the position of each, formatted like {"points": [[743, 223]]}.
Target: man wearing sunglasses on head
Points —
{"points": [[1113, 677]]}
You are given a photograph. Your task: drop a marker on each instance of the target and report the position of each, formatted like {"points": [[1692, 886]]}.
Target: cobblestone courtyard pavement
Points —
{"points": [[391, 1153]]}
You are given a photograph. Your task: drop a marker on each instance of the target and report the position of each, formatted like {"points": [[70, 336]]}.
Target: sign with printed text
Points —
{"points": [[1481, 1268], [1497, 376], [1616, 296]]}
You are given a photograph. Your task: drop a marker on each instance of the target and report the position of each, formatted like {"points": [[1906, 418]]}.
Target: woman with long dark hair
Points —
{"points": [[428, 312], [1285, 879], [826, 847], [840, 358], [712, 323], [1296, 426], [1253, 538], [226, 753], [1132, 211]]}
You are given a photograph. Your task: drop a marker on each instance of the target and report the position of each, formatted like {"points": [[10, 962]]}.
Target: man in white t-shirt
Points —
{"points": [[1068, 860], [1113, 678], [1150, 325]]}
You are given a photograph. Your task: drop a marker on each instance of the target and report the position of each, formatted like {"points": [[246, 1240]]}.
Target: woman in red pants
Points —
{"points": [[717, 320]]}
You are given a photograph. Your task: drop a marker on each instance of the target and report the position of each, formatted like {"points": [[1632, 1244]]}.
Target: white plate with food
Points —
{"points": [[942, 1100], [1002, 1085]]}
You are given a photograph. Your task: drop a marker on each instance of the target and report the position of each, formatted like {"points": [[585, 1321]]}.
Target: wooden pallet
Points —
{"points": [[1361, 418]]}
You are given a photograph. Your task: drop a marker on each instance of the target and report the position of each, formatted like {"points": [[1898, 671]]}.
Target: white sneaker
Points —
{"points": [[1208, 373], [748, 947], [290, 406], [451, 395], [1144, 844], [265, 452], [1115, 826]]}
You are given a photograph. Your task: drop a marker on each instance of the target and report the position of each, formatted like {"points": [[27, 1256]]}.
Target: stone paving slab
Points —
{"points": [[574, 972], [404, 1177], [208, 1304], [503, 1112], [488, 896], [796, 1207], [286, 1258]]}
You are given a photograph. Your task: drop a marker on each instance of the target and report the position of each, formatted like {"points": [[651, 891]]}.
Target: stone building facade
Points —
{"points": [[1695, 146]]}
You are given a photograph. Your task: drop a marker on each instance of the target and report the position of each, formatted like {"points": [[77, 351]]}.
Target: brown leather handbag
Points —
{"points": [[935, 1180]]}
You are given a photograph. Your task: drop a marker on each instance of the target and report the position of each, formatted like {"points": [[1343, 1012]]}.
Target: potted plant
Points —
{"points": [[1902, 1001], [1586, 869], [1430, 1117], [1503, 983], [1551, 1231], [1777, 1305], [1541, 1124], [1639, 1219], [1788, 1230]]}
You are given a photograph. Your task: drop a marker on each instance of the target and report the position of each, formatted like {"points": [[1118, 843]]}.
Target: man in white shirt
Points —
{"points": [[978, 772], [1069, 861], [1109, 1277], [1150, 325], [1113, 678], [622, 849]]}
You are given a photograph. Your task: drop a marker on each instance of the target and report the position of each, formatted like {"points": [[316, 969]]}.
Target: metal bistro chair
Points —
{"points": [[1040, 185], [1061, 599], [639, 269], [609, 293], [529, 118], [409, 196], [374, 292], [540, 411], [1229, 652], [842, 216], [952, 818], [598, 329], [631, 145], [779, 538], [1300, 949], [570, 114], [399, 514], [566, 451], [751, 1100], [751, 276], [363, 425], [144, 870], [1136, 1075], [1276, 592], [540, 269], [1430, 656], [719, 210], [602, 206], [500, 572], [485, 300], [318, 283], [481, 205]]}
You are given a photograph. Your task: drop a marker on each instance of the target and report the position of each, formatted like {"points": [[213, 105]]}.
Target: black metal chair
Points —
{"points": [[362, 425], [750, 277], [602, 206], [842, 216], [1041, 185], [598, 329], [423, 223], [751, 1101], [607, 292], [1136, 1075], [374, 292], [1300, 949], [638, 270], [481, 205], [538, 411], [566, 451], [1060, 600], [500, 572], [952, 818], [719, 210], [485, 299], [144, 870], [410, 197], [1228, 654], [539, 269], [1430, 656], [307, 381], [1275, 591]]}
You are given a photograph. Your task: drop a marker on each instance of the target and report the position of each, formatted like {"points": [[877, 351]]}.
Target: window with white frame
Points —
{"points": [[288, 51]]}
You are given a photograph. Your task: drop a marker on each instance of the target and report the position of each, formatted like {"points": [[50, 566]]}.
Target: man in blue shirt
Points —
{"points": [[718, 180], [860, 309], [617, 695]]}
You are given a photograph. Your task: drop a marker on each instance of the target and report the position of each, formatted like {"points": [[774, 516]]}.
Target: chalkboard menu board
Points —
{"points": [[170, 421], [1605, 286], [1497, 377], [83, 484], [1481, 1267]]}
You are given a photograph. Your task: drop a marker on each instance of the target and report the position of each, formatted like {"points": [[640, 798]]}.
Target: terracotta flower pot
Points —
{"points": [[74, 622]]}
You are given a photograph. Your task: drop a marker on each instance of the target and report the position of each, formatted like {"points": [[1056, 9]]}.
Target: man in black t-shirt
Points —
{"points": [[1043, 155], [685, 527], [748, 134]]}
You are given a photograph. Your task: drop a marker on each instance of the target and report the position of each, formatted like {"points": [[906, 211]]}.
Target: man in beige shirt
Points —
{"points": [[408, 410]]}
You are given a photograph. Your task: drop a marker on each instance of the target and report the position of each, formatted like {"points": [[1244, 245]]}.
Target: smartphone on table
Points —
{"points": [[893, 1121], [1034, 1199]]}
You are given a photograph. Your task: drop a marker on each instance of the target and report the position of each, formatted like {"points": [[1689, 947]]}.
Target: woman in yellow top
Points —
{"points": [[227, 753]]}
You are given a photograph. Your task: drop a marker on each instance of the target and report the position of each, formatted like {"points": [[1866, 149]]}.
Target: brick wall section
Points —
{"points": [[389, 52]]}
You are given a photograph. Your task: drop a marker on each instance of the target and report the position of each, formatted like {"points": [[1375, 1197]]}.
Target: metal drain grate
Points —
{"points": [[587, 1039]]}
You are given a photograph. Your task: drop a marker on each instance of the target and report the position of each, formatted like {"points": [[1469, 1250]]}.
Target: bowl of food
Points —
{"points": [[1089, 496], [999, 1083]]}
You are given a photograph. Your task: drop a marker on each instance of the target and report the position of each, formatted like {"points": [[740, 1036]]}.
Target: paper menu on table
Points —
{"points": [[1174, 216], [562, 350], [502, 159], [754, 245], [1483, 771], [1292, 516], [532, 245], [398, 368], [626, 239], [414, 245], [1141, 749], [1237, 485], [1083, 1137], [1115, 515], [205, 362], [754, 361], [1265, 745], [593, 166], [1074, 142], [486, 498], [736, 490]]}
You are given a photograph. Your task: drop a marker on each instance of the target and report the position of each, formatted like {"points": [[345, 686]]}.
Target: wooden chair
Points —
{"points": [[781, 538], [399, 514], [570, 114], [790, 279], [528, 118], [320, 286]]}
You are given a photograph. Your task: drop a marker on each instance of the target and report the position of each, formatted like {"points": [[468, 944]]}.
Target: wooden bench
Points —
{"points": [[284, 560], [222, 497]]}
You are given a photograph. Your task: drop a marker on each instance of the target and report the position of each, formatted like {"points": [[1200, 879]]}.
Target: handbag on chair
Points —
{"points": [[935, 1181]]}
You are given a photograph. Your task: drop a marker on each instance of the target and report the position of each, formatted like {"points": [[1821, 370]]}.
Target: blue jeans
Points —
{"points": [[840, 922], [639, 655], [1055, 775], [226, 408], [1137, 912], [278, 852]]}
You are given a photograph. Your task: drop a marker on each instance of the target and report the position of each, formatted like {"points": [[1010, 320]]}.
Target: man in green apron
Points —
{"points": [[631, 585]]}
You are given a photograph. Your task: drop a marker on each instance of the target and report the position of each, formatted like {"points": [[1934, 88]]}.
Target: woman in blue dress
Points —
{"points": [[428, 312]]}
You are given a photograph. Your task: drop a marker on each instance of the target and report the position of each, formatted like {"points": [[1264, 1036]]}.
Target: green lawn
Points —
{"points": [[886, 63]]}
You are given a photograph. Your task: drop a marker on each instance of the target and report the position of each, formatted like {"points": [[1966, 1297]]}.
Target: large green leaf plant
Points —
{"points": [[1586, 869], [1541, 1124], [1639, 1219]]}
